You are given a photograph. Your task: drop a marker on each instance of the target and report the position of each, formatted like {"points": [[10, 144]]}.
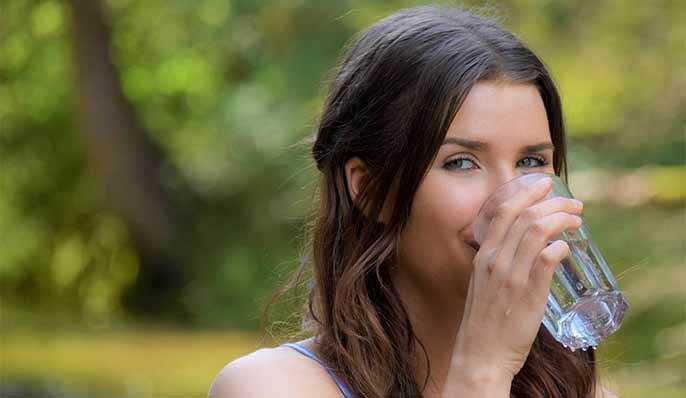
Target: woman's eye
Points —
{"points": [[531, 161], [460, 164]]}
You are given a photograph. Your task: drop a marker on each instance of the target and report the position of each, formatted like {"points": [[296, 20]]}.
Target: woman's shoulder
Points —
{"points": [[273, 372]]}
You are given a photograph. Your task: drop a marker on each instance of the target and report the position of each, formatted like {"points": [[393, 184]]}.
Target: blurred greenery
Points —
{"points": [[224, 91]]}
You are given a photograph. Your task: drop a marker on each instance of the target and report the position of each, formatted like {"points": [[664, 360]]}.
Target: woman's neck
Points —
{"points": [[435, 319]]}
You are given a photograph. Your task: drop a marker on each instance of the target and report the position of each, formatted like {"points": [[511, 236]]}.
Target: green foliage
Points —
{"points": [[226, 89]]}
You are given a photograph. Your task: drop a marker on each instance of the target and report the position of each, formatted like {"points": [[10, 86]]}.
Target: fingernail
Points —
{"points": [[578, 204], [578, 220]]}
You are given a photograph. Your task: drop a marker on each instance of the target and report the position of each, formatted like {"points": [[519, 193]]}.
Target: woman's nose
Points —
{"points": [[504, 175]]}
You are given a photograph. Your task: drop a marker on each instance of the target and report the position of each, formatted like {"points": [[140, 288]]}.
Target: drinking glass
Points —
{"points": [[585, 304]]}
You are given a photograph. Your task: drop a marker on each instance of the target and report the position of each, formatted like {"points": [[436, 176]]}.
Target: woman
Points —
{"points": [[430, 110]]}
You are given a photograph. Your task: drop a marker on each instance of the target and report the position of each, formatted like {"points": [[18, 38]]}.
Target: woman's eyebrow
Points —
{"points": [[482, 146], [537, 147], [475, 145]]}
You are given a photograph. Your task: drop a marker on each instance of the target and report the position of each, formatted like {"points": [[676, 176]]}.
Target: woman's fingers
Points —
{"points": [[550, 206], [530, 217], [506, 214], [534, 242], [544, 268]]}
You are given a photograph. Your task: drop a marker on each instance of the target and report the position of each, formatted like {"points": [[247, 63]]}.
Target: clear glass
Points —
{"points": [[585, 304]]}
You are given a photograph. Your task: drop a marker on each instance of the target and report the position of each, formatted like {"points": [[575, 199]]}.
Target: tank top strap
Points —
{"points": [[301, 349]]}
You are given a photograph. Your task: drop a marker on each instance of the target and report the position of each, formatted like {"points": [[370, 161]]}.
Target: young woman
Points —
{"points": [[430, 110]]}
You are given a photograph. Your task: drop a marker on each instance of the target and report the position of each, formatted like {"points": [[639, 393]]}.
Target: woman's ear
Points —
{"points": [[356, 173]]}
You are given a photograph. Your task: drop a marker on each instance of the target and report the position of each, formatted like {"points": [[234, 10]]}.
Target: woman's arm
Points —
{"points": [[470, 382]]}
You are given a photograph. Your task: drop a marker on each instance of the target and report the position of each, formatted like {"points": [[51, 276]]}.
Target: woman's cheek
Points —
{"points": [[447, 202], [466, 204]]}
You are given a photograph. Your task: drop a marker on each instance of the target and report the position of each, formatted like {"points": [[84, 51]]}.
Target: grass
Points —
{"points": [[183, 364], [125, 363]]}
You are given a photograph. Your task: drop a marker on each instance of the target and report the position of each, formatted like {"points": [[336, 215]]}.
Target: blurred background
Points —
{"points": [[153, 189]]}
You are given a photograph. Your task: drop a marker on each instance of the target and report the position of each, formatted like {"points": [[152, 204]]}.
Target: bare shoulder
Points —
{"points": [[273, 372]]}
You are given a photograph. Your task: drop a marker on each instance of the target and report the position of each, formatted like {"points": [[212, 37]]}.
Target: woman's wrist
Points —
{"points": [[477, 381]]}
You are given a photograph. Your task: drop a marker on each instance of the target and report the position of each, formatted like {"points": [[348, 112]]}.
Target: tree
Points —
{"points": [[128, 164]]}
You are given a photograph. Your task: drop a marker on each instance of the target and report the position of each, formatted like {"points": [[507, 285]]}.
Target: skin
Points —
{"points": [[476, 309]]}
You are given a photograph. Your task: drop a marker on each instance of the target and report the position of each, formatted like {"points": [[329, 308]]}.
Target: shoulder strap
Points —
{"points": [[310, 355]]}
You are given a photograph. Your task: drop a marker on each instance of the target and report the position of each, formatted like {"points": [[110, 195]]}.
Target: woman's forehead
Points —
{"points": [[497, 113]]}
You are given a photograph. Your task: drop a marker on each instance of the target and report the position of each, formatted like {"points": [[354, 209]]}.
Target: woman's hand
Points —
{"points": [[509, 286]]}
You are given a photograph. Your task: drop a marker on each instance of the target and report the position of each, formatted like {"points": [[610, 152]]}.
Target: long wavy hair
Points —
{"points": [[392, 98]]}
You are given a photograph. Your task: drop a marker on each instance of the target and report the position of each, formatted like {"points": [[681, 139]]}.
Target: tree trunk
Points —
{"points": [[128, 164]]}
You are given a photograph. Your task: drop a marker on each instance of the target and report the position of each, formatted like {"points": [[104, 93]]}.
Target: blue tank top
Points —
{"points": [[310, 355]]}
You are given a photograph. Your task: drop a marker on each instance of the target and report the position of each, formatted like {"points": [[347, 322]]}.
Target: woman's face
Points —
{"points": [[501, 131]]}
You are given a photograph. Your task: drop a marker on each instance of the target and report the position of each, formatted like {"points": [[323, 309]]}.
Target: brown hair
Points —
{"points": [[394, 94]]}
